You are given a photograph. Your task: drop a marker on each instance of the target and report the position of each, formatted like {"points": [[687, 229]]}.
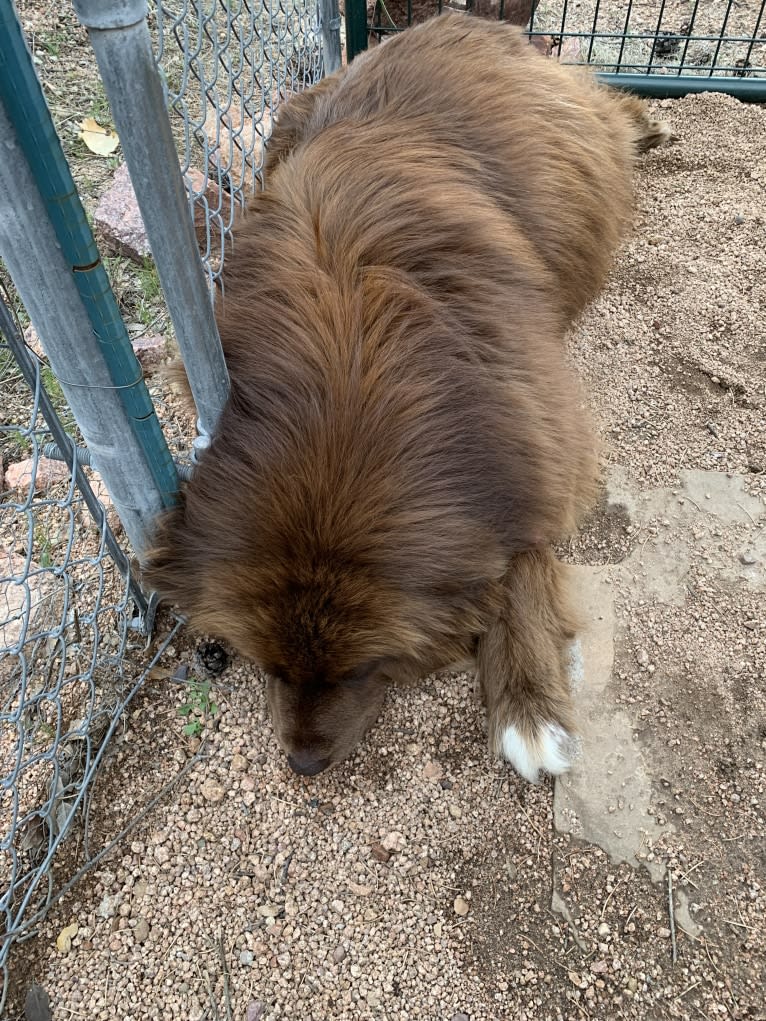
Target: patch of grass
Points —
{"points": [[149, 294], [197, 707], [99, 105], [150, 281], [44, 546], [14, 445], [54, 42], [52, 387]]}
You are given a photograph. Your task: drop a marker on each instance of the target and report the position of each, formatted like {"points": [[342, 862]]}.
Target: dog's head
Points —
{"points": [[330, 636], [333, 588]]}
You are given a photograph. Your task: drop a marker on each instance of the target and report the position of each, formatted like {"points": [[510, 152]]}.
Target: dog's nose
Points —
{"points": [[306, 764]]}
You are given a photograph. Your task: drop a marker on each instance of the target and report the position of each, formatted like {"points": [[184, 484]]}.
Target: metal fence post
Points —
{"points": [[329, 14], [121, 42], [31, 250], [356, 28], [48, 247]]}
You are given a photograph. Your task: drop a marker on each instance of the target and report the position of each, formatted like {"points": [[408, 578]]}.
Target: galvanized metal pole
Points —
{"points": [[44, 278], [329, 14], [120, 38]]}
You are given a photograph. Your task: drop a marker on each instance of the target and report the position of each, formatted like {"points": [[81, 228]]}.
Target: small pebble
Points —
{"points": [[246, 958], [461, 906], [380, 853], [603, 929], [141, 931], [339, 955]]}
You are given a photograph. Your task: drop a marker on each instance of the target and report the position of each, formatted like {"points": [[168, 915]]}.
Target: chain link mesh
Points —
{"points": [[66, 611], [227, 65]]}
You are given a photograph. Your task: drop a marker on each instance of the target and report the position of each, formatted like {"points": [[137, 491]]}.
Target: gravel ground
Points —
{"points": [[420, 880]]}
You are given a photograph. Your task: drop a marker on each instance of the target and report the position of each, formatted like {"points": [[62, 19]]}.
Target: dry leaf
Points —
{"points": [[100, 140], [64, 938]]}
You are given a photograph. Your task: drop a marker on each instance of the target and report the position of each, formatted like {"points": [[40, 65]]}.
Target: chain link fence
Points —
{"points": [[686, 39], [226, 67], [71, 618], [74, 623]]}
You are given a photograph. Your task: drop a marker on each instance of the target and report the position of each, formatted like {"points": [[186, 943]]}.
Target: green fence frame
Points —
{"points": [[663, 81]]}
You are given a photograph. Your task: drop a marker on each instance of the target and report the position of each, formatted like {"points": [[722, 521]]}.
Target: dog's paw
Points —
{"points": [[550, 749], [654, 134]]}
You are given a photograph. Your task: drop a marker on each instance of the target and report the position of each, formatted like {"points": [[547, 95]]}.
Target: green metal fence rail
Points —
{"points": [[650, 50]]}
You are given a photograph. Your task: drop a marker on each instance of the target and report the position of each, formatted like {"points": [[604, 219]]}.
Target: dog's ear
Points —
{"points": [[199, 580], [295, 118], [171, 566]]}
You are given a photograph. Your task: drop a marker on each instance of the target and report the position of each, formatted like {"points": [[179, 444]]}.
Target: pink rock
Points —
{"points": [[543, 43], [102, 493], [99, 488], [33, 341], [24, 599], [118, 220], [151, 351], [207, 198], [19, 475]]}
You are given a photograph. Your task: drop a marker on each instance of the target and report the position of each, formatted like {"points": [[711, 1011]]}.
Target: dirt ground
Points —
{"points": [[421, 880]]}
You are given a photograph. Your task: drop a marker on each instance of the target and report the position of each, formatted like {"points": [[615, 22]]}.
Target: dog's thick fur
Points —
{"points": [[404, 441]]}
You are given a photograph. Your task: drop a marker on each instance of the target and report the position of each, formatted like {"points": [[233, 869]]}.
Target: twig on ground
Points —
{"points": [[225, 968], [609, 897], [672, 914]]}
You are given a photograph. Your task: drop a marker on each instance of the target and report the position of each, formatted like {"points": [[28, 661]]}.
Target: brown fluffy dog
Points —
{"points": [[403, 441]]}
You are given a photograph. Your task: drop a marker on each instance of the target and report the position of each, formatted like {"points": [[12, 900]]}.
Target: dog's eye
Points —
{"points": [[365, 671]]}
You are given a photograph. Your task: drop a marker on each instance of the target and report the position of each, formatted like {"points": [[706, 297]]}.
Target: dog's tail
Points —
{"points": [[649, 133]]}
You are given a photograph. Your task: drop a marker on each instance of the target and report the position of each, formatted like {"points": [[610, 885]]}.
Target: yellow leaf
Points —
{"points": [[64, 938], [100, 140]]}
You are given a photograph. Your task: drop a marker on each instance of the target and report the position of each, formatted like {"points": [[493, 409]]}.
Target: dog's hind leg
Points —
{"points": [[524, 665]]}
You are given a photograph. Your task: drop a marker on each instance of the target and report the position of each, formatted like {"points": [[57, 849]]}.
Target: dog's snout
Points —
{"points": [[306, 764]]}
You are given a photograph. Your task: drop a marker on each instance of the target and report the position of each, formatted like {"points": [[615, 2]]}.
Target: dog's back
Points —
{"points": [[469, 102]]}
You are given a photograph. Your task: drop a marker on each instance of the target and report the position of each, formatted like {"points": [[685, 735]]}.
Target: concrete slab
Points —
{"points": [[606, 798]]}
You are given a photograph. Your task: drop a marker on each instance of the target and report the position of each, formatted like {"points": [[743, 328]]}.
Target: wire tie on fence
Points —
{"points": [[101, 386]]}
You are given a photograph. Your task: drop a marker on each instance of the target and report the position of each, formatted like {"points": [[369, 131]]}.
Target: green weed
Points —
{"points": [[198, 706]]}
